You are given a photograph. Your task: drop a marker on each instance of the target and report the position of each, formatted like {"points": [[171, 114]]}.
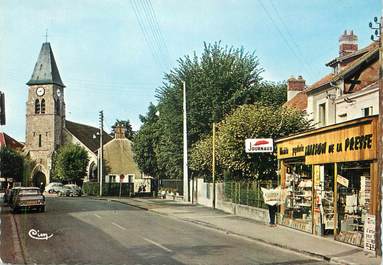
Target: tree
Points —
{"points": [[145, 143], [11, 164], [217, 81], [70, 163], [128, 128], [248, 121]]}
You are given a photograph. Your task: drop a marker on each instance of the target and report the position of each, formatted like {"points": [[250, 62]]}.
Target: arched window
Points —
{"points": [[43, 106], [37, 106], [57, 106]]}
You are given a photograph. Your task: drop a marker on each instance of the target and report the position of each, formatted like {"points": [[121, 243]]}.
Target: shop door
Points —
{"points": [[324, 212]]}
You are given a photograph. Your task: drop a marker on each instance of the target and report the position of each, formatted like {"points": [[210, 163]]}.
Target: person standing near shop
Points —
{"points": [[272, 211], [272, 197]]}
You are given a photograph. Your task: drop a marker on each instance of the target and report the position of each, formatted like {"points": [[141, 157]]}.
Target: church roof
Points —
{"points": [[45, 71], [84, 133], [8, 141]]}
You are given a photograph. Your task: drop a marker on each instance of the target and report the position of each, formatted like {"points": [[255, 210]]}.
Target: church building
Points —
{"points": [[46, 126]]}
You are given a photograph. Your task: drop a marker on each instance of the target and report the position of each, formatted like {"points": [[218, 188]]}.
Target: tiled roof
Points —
{"points": [[347, 70], [8, 141], [323, 81], [352, 66], [45, 71], [299, 101], [118, 155], [354, 54], [84, 133]]}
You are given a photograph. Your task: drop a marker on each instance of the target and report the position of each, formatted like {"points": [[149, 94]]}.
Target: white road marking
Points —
{"points": [[157, 244], [119, 226], [97, 216]]}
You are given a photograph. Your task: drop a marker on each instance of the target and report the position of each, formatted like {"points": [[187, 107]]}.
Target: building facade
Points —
{"points": [[46, 126], [330, 173]]}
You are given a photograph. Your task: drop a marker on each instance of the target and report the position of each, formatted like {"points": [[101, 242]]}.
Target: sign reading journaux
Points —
{"points": [[260, 145]]}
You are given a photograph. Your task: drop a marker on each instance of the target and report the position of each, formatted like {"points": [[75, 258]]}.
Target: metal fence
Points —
{"points": [[174, 185], [246, 192]]}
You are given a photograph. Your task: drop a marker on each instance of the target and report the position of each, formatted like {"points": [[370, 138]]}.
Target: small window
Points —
{"points": [[112, 178], [57, 106], [37, 106], [322, 114], [43, 106], [40, 142], [367, 111]]}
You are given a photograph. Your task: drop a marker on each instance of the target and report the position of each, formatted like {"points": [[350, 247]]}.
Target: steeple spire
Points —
{"points": [[45, 71]]}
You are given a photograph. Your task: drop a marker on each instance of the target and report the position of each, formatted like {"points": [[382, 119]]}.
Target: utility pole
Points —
{"points": [[101, 151], [378, 222], [213, 165], [185, 135], [2, 108]]}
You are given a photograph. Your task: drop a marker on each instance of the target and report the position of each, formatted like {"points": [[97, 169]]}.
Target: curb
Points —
{"points": [[115, 200], [333, 260], [17, 245]]}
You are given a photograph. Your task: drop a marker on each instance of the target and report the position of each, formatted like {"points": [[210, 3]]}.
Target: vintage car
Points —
{"points": [[27, 198], [74, 190], [53, 187], [9, 195]]}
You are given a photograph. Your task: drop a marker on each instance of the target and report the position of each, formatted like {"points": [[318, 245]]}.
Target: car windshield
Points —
{"points": [[29, 192]]}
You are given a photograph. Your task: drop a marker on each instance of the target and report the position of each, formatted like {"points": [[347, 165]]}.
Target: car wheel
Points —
{"points": [[15, 210], [51, 191], [42, 209]]}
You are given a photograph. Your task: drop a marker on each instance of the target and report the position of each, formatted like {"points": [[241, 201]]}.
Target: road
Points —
{"points": [[86, 231]]}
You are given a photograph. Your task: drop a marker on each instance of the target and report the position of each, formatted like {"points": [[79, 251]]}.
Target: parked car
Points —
{"points": [[74, 190], [70, 190], [10, 195], [6, 196], [53, 187], [28, 198]]}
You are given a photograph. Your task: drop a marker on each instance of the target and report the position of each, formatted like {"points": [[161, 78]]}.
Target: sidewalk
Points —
{"points": [[280, 236]]}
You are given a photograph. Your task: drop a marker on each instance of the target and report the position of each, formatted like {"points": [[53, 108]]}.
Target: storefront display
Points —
{"points": [[352, 197], [298, 204], [330, 175]]}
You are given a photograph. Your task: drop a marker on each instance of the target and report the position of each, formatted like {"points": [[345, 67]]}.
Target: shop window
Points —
{"points": [[353, 202], [322, 114], [298, 204]]}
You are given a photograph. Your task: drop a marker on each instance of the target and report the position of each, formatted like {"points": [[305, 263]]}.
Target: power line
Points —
{"points": [[283, 36], [147, 37], [291, 36], [158, 29]]}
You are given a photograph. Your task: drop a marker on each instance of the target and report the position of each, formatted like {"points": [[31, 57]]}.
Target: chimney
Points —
{"points": [[294, 86], [348, 43], [119, 132]]}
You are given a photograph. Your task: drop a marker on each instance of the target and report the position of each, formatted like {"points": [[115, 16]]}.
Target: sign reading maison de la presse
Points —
{"points": [[351, 143], [259, 145]]}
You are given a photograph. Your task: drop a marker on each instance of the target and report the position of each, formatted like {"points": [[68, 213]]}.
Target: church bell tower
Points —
{"points": [[45, 114]]}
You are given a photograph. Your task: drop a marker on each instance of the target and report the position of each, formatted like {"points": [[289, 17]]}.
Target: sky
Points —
{"points": [[112, 54]]}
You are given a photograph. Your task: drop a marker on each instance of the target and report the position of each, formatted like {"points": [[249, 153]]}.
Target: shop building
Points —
{"points": [[330, 173], [330, 176]]}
